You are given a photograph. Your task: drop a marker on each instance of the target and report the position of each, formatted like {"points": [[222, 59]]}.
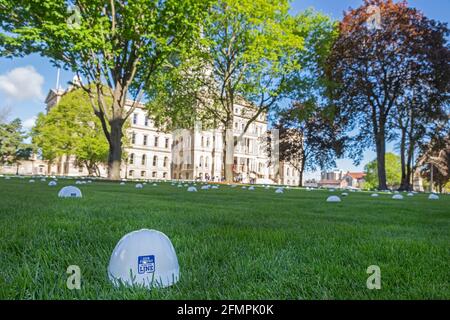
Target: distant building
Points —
{"points": [[337, 179], [188, 154], [353, 180], [312, 183]]}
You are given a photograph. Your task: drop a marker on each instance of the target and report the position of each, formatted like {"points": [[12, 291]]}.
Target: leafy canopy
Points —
{"points": [[70, 128]]}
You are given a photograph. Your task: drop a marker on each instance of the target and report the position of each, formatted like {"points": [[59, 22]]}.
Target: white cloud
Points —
{"points": [[21, 84], [29, 123]]}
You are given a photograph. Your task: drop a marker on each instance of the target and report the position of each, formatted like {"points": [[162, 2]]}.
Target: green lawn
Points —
{"points": [[231, 243]]}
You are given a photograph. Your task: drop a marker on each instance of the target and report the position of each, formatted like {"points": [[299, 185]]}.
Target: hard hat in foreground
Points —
{"points": [[144, 258]]}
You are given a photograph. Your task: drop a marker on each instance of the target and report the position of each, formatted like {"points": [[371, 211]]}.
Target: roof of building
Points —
{"points": [[356, 175]]}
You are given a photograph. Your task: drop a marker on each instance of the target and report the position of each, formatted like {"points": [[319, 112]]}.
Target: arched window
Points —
{"points": [[155, 161], [144, 160], [132, 158], [203, 142], [165, 175], [166, 162], [206, 162], [208, 142], [201, 162], [288, 171]]}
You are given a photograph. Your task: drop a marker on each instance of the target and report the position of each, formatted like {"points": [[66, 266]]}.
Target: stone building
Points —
{"points": [[184, 154]]}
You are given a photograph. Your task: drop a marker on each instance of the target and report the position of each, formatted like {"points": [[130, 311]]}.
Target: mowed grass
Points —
{"points": [[231, 243]]}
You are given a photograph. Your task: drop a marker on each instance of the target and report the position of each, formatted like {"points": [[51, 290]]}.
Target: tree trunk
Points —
{"points": [[409, 166], [381, 159], [228, 154], [115, 150], [302, 168], [410, 153], [300, 176], [404, 185]]}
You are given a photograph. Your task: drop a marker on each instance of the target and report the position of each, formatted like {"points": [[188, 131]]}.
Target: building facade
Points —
{"points": [[195, 154], [339, 179]]}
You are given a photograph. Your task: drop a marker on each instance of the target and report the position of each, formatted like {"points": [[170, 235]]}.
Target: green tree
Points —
{"points": [[393, 172], [70, 128], [309, 128], [245, 57], [13, 148], [117, 45]]}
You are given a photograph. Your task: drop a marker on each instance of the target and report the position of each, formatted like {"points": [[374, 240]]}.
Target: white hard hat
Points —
{"points": [[334, 199], [70, 192], [433, 197], [144, 258]]}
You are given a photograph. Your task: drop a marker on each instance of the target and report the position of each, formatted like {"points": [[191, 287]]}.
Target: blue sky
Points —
{"points": [[24, 82]]}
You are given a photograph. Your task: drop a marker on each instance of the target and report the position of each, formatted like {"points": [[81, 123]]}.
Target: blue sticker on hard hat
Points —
{"points": [[146, 264]]}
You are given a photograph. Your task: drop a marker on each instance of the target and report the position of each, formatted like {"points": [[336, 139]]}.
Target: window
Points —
{"points": [[131, 173], [201, 162], [142, 174], [135, 118], [287, 173], [235, 125], [155, 161], [146, 121], [156, 141], [203, 142], [167, 143], [208, 142], [166, 161], [132, 158], [145, 140], [144, 160], [133, 138], [206, 162], [154, 174], [165, 175]]}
